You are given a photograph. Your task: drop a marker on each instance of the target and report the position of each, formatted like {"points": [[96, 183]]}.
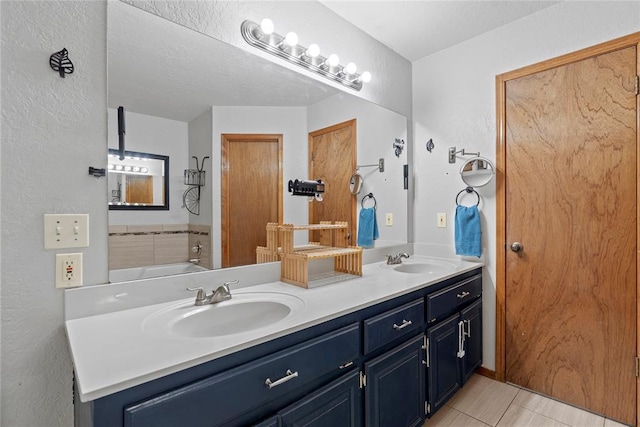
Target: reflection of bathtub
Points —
{"points": [[127, 274]]}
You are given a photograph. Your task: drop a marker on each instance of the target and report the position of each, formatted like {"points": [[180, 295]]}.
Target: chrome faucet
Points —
{"points": [[223, 293], [396, 259]]}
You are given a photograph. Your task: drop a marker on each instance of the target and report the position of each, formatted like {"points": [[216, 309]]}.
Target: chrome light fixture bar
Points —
{"points": [[287, 47]]}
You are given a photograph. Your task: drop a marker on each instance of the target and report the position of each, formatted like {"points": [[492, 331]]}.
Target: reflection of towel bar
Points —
{"points": [[380, 166], [468, 190], [369, 196]]}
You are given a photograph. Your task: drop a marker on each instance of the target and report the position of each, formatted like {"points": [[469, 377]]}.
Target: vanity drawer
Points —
{"points": [[449, 300], [218, 399], [386, 327]]}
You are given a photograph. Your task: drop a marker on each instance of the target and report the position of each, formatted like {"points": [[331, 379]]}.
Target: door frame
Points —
{"points": [[226, 139], [353, 125], [501, 200]]}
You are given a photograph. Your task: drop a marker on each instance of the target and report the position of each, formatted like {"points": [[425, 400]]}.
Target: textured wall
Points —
{"points": [[454, 103], [53, 129]]}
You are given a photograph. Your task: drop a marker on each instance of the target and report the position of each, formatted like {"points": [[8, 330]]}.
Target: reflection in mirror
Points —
{"points": [[220, 90], [139, 181], [477, 172]]}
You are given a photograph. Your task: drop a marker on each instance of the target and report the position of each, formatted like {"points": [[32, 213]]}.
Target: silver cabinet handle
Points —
{"points": [[463, 295], [288, 377], [346, 365], [405, 323]]}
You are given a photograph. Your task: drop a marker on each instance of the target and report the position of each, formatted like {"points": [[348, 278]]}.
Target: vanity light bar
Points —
{"points": [[287, 47], [127, 169]]}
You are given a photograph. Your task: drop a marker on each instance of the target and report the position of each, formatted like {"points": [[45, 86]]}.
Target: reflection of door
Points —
{"points": [[139, 189], [332, 158], [251, 194], [570, 199]]}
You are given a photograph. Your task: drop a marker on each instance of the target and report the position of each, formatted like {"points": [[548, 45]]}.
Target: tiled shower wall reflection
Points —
{"points": [[143, 245]]}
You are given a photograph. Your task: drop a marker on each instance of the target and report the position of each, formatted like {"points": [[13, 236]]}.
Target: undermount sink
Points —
{"points": [[425, 267], [242, 313]]}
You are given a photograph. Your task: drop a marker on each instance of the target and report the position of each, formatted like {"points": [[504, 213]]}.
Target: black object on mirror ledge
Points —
{"points": [[301, 187], [97, 172]]}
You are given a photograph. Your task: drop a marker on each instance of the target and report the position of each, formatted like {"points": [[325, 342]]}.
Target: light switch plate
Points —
{"points": [[68, 270], [66, 231], [442, 220], [389, 219]]}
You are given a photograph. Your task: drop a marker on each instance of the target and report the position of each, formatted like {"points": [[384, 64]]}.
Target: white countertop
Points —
{"points": [[111, 352]]}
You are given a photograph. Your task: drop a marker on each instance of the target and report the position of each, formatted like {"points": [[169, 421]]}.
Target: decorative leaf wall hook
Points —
{"points": [[61, 63]]}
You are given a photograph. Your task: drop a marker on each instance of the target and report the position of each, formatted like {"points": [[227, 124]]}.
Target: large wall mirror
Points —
{"points": [[184, 93]]}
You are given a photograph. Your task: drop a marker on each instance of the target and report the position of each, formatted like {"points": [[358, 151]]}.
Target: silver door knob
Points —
{"points": [[516, 246]]}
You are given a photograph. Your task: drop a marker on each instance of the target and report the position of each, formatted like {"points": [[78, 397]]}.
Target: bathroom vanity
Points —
{"points": [[387, 349]]}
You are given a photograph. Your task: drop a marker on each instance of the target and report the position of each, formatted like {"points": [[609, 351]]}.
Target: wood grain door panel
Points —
{"points": [[251, 194], [332, 159], [571, 201]]}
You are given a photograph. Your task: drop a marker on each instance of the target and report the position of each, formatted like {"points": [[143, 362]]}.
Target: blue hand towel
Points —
{"points": [[367, 227], [468, 232]]}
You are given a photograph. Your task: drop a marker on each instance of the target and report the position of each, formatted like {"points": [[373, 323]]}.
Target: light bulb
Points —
{"points": [[144, 170], [313, 51], [127, 168], [136, 169], [266, 26], [333, 60], [118, 167], [110, 166], [350, 68], [291, 39], [365, 77]]}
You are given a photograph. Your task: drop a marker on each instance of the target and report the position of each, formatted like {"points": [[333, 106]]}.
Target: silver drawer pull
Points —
{"points": [[405, 323], [289, 376], [463, 294], [346, 365]]}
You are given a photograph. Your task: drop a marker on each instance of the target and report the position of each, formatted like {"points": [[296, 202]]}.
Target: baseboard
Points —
{"points": [[486, 372]]}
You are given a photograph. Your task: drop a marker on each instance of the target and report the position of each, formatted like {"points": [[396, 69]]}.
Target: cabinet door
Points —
{"points": [[443, 372], [472, 319], [394, 392], [269, 422], [337, 405]]}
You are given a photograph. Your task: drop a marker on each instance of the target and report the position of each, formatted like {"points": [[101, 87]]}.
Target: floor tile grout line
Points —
{"points": [[508, 406]]}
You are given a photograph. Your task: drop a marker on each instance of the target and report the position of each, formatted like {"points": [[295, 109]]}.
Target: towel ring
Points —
{"points": [[468, 190], [369, 196]]}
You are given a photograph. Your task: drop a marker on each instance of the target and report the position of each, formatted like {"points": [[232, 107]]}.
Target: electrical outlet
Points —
{"points": [[442, 220], [68, 270], [389, 219]]}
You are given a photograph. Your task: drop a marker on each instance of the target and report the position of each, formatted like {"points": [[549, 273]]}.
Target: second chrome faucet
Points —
{"points": [[396, 259], [222, 293]]}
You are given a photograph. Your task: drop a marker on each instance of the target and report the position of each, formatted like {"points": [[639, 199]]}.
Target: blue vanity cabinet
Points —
{"points": [[454, 343], [395, 391], [472, 318], [248, 386], [338, 404], [443, 371]]}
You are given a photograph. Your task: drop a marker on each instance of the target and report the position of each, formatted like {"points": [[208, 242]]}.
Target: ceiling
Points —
{"points": [[419, 28]]}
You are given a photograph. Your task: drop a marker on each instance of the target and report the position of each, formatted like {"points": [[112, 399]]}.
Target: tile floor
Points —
{"points": [[484, 402]]}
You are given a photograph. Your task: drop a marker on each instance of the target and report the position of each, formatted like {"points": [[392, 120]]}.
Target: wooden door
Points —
{"points": [[571, 202], [251, 194], [332, 158], [139, 189]]}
